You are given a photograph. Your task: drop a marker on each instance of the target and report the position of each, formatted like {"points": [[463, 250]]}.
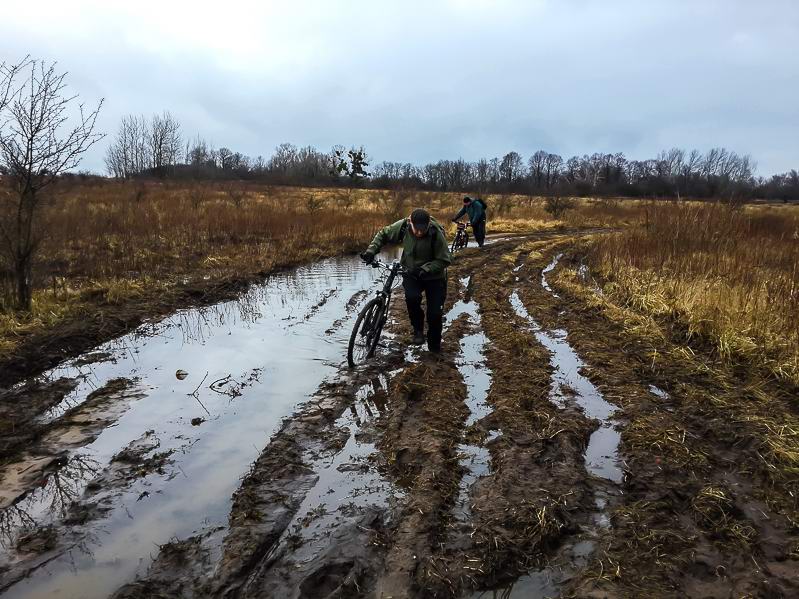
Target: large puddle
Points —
{"points": [[248, 364]]}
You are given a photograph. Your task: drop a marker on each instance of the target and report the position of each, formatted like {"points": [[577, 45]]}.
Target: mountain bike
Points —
{"points": [[369, 324], [461, 239]]}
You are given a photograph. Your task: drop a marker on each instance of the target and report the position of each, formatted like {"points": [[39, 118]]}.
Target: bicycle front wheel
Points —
{"points": [[366, 333]]}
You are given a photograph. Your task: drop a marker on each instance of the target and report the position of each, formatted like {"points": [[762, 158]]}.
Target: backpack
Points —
{"points": [[483, 202]]}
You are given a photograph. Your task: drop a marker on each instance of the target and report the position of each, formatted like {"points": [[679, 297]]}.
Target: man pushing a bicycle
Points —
{"points": [[425, 257], [476, 209]]}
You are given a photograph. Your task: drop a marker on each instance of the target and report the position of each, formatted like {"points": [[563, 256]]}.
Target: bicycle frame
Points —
{"points": [[388, 287]]}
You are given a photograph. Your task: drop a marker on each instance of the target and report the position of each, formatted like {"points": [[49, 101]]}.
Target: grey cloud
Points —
{"points": [[418, 81]]}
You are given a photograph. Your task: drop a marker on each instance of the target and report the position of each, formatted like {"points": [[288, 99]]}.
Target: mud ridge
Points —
{"points": [[516, 521]]}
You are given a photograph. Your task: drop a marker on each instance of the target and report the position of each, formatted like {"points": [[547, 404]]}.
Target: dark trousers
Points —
{"points": [[479, 230], [435, 292]]}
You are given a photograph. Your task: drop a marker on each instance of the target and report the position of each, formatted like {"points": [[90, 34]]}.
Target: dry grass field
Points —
{"points": [[110, 242], [728, 276]]}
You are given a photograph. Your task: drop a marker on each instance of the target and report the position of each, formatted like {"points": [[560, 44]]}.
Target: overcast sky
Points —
{"points": [[422, 80]]}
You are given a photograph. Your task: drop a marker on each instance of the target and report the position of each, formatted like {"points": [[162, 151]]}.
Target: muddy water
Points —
{"points": [[249, 364], [347, 481], [544, 583], [601, 456], [547, 269], [471, 363]]}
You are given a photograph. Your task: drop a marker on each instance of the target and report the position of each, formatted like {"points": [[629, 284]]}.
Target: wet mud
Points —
{"points": [[229, 452]]}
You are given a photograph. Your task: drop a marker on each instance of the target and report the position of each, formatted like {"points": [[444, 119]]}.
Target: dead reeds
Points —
{"points": [[728, 277], [115, 240]]}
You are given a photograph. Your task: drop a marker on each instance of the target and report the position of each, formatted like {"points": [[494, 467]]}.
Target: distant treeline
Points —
{"points": [[154, 148]]}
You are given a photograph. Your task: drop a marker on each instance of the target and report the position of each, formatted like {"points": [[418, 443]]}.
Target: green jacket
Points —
{"points": [[430, 253], [475, 211]]}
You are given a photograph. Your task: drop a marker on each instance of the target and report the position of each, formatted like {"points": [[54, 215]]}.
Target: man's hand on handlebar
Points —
{"points": [[368, 257]]}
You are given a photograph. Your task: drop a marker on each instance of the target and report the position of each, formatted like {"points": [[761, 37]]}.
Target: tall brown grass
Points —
{"points": [[110, 241], [731, 276], [129, 230]]}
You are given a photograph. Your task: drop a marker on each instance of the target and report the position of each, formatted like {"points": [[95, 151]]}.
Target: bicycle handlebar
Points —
{"points": [[375, 263], [388, 266]]}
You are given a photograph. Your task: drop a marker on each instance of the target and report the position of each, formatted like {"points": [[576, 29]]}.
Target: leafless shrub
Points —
{"points": [[39, 140], [556, 206], [396, 202], [236, 193], [314, 202], [199, 194]]}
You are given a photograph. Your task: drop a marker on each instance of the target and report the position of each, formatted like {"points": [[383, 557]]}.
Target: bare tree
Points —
{"points": [[225, 156], [552, 167], [129, 153], [38, 142], [164, 143], [8, 75], [537, 167], [511, 168]]}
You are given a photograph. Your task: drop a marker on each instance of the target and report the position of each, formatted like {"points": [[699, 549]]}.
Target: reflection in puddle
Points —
{"points": [[276, 330], [471, 363], [462, 306], [540, 584], [601, 455], [476, 462], [412, 355], [601, 518], [50, 500], [347, 484]]}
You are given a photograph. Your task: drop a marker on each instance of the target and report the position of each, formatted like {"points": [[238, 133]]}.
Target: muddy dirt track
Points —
{"points": [[556, 448]]}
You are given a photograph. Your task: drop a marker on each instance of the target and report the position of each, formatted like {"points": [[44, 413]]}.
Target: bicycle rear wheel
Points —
{"points": [[366, 333]]}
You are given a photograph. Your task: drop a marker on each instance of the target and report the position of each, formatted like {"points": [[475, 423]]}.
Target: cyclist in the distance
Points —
{"points": [[476, 209], [425, 257]]}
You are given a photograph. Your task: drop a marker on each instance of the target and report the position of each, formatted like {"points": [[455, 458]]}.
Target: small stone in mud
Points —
{"points": [[181, 374], [143, 495], [197, 421]]}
